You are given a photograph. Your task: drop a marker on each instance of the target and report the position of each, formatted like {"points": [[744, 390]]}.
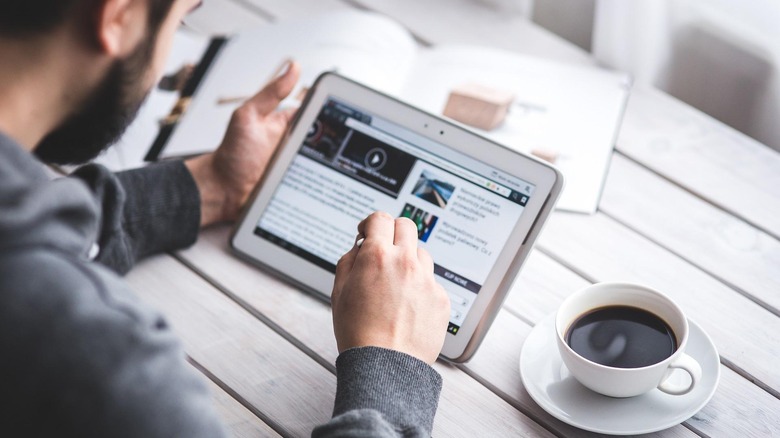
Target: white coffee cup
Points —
{"points": [[626, 382]]}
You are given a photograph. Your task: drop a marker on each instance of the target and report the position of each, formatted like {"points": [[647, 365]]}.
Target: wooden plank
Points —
{"points": [[738, 408], [294, 392], [754, 415], [468, 409], [723, 245], [238, 420], [470, 22], [712, 160], [541, 287], [309, 320], [539, 284], [603, 250]]}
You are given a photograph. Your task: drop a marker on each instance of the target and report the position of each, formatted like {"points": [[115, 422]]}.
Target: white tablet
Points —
{"points": [[351, 151]]}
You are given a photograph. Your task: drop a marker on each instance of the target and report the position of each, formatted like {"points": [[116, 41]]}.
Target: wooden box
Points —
{"points": [[478, 106]]}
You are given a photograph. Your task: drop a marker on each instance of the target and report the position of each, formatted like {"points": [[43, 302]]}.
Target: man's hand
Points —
{"points": [[227, 176], [385, 295]]}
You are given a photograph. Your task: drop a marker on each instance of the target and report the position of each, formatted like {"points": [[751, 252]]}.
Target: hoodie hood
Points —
{"points": [[38, 211]]}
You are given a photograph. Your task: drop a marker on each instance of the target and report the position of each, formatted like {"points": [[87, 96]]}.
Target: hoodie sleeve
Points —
{"points": [[382, 393], [142, 211]]}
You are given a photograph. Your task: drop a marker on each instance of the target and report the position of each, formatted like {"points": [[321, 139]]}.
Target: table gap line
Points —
{"points": [[749, 377], [558, 261], [278, 428], [550, 426], [361, 7], [255, 9], [763, 304], [263, 13], [688, 426], [259, 315], [518, 315], [698, 195], [542, 249]]}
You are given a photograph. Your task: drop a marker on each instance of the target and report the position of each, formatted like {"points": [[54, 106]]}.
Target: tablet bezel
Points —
{"points": [[546, 179]]}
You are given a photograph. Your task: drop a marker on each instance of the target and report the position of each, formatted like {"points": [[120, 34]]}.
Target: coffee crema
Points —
{"points": [[621, 337]]}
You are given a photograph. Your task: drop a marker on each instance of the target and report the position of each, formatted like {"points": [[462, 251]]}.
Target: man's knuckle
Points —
{"points": [[443, 298], [405, 222], [378, 254], [408, 263], [278, 91], [242, 115], [382, 216], [424, 257]]}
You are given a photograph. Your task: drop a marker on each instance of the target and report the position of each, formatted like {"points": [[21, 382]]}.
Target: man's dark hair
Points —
{"points": [[114, 103], [19, 18]]}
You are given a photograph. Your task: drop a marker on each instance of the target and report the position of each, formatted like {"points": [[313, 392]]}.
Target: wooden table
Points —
{"points": [[691, 207]]}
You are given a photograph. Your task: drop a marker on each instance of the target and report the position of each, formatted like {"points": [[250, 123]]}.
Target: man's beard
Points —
{"points": [[103, 118]]}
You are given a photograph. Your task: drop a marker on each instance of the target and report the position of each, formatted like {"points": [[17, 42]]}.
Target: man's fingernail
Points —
{"points": [[283, 69]]}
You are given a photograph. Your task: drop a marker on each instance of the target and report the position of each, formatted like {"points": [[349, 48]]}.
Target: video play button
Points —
{"points": [[376, 158]]}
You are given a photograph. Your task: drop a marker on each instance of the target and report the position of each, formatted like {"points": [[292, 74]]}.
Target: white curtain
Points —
{"points": [[721, 56]]}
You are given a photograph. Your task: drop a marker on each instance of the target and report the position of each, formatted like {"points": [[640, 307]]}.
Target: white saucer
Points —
{"points": [[549, 383]]}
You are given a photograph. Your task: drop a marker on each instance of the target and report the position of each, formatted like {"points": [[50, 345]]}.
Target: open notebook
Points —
{"points": [[573, 110]]}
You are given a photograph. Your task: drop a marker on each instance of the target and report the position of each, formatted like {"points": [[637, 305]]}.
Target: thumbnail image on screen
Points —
{"points": [[424, 220], [432, 189]]}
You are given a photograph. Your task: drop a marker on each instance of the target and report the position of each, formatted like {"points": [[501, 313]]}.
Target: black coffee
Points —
{"points": [[621, 337]]}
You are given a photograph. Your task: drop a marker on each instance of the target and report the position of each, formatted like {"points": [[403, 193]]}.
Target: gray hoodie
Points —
{"points": [[81, 356]]}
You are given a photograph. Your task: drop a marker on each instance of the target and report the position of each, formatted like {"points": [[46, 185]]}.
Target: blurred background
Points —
{"points": [[720, 56]]}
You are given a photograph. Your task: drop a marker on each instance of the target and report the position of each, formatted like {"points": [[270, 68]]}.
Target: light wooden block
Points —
{"points": [[548, 155], [478, 106]]}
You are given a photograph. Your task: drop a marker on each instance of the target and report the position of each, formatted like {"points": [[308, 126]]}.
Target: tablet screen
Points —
{"points": [[353, 163]]}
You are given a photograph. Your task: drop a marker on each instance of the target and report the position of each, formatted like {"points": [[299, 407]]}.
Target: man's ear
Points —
{"points": [[120, 25]]}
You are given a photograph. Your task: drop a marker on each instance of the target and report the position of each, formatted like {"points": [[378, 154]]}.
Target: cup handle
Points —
{"points": [[689, 365]]}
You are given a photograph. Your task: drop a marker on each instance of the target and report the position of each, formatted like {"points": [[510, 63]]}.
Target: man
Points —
{"points": [[79, 355]]}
